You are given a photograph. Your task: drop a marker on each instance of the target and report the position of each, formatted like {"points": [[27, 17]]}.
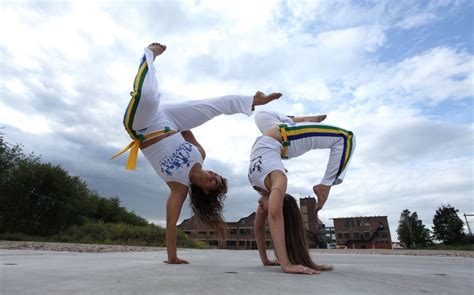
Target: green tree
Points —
{"points": [[10, 157], [43, 199], [411, 231], [110, 211], [447, 226]]}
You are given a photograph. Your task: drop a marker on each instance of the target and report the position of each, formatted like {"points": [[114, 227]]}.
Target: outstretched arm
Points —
{"points": [[259, 228], [275, 216], [275, 219], [189, 137], [173, 209]]}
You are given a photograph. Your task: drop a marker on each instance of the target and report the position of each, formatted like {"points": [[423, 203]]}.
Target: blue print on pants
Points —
{"points": [[179, 158]]}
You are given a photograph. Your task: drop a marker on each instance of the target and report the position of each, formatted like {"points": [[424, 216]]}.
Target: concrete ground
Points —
{"points": [[227, 272]]}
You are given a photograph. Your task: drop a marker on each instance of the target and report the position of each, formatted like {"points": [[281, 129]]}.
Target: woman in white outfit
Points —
{"points": [[163, 133], [286, 137]]}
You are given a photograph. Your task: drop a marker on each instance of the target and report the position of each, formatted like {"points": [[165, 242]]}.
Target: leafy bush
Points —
{"points": [[115, 233], [22, 237], [123, 234], [466, 247]]}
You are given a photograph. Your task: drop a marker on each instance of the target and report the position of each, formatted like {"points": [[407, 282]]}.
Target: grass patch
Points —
{"points": [[466, 247], [23, 237], [111, 234]]}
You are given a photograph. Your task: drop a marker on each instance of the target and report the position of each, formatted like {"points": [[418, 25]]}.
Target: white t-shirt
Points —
{"points": [[173, 158], [265, 158]]}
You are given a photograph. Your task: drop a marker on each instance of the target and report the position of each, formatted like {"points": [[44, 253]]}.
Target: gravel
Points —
{"points": [[447, 253], [73, 247], [96, 248]]}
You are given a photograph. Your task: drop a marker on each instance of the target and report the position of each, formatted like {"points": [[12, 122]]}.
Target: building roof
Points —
{"points": [[228, 222], [378, 216], [250, 215]]}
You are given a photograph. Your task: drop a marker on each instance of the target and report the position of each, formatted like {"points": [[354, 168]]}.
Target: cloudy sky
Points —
{"points": [[399, 74]]}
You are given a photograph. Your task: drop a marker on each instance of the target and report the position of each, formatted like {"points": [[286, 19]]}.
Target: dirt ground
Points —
{"points": [[95, 248]]}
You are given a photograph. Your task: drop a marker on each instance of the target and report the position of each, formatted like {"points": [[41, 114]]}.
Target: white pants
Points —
{"points": [[146, 117], [148, 114], [299, 138]]}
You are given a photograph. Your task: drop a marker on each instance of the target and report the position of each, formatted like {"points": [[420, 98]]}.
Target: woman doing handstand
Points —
{"points": [[287, 137]]}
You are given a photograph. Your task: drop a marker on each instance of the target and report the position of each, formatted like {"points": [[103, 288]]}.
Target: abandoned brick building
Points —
{"points": [[370, 232], [351, 232]]}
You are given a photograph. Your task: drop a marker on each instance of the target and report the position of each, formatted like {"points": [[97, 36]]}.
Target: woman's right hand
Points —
{"points": [[291, 268], [176, 261], [269, 262]]}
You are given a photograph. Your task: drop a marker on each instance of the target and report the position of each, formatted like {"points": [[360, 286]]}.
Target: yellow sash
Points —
{"points": [[134, 146]]}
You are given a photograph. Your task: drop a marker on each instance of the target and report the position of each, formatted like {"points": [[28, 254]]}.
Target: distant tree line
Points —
{"points": [[43, 199], [447, 228]]}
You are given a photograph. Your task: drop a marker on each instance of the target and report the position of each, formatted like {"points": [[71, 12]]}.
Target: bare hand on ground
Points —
{"points": [[271, 263], [300, 269], [176, 261]]}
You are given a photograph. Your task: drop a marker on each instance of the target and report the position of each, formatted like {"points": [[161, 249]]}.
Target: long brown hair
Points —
{"points": [[209, 206], [295, 236]]}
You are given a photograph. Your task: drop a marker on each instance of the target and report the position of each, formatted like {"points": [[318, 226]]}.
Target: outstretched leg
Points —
{"points": [[191, 114], [143, 106]]}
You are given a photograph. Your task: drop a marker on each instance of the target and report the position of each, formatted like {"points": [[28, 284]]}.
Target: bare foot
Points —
{"points": [[322, 193], [324, 267], [317, 119], [157, 49], [261, 98]]}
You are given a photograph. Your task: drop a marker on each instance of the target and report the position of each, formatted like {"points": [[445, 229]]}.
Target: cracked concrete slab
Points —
{"points": [[227, 272]]}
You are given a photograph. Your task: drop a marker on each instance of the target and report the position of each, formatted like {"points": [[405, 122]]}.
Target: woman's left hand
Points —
{"points": [[271, 263]]}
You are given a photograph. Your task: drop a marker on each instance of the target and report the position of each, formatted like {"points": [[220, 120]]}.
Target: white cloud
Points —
{"points": [[417, 20], [314, 90], [15, 85], [299, 14], [431, 77], [436, 75], [244, 16], [368, 38], [28, 123], [158, 222]]}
